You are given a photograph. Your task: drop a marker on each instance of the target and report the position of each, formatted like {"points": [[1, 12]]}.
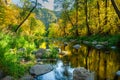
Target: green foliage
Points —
{"points": [[111, 39], [8, 59], [53, 30], [103, 27], [102, 19], [12, 66], [52, 54], [10, 54]]}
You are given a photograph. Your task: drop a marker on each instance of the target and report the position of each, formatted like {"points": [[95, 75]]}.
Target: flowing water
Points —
{"points": [[104, 63], [61, 72]]}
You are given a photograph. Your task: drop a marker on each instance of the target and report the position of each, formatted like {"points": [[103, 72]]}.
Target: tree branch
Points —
{"points": [[26, 17], [116, 8]]}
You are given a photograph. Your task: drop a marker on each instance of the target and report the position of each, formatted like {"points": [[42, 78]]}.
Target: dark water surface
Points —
{"points": [[104, 63]]}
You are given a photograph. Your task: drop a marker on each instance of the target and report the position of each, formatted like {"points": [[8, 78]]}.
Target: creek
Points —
{"points": [[103, 62]]}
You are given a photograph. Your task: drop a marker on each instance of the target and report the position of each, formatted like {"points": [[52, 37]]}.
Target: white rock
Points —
{"points": [[77, 46]]}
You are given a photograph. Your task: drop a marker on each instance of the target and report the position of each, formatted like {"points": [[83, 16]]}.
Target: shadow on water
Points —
{"points": [[105, 63]]}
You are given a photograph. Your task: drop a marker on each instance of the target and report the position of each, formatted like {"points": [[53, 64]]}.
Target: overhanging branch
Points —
{"points": [[26, 17], [116, 8]]}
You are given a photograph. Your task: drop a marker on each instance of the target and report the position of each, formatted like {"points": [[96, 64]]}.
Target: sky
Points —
{"points": [[48, 5]]}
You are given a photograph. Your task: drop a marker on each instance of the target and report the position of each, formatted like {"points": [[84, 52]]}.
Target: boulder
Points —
{"points": [[40, 69], [82, 74]]}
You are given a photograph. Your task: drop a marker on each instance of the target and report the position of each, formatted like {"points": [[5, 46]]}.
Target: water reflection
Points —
{"points": [[61, 72], [105, 63]]}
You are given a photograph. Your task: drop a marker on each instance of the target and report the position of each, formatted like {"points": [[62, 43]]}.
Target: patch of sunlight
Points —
{"points": [[43, 45]]}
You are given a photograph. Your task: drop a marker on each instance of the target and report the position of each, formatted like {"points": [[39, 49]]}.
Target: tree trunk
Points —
{"points": [[26, 17], [86, 14], [116, 8], [76, 24], [106, 20], [98, 7]]}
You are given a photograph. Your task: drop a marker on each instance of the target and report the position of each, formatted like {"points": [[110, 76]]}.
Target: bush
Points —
{"points": [[10, 57], [52, 54]]}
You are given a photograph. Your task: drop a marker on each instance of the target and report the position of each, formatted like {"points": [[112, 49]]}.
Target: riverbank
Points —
{"points": [[108, 40]]}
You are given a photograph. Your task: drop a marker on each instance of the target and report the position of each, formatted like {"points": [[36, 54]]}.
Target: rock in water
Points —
{"points": [[82, 74], [40, 69], [99, 46], [77, 46]]}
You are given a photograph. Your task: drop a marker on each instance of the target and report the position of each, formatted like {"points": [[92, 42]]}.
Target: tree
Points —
{"points": [[66, 10], [86, 14], [26, 17]]}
